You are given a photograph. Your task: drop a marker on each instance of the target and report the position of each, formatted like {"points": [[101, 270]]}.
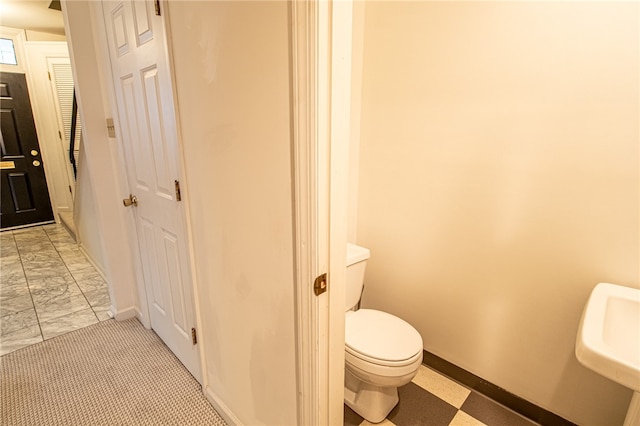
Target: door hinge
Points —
{"points": [[111, 128], [178, 196], [49, 74], [320, 284], [194, 338], [157, 6], [59, 134], [70, 191]]}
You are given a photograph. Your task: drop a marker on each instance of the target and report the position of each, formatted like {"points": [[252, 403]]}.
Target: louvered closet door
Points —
{"points": [[62, 87], [148, 131]]}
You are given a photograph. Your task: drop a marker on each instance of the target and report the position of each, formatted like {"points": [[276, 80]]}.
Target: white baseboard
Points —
{"points": [[221, 408], [125, 314]]}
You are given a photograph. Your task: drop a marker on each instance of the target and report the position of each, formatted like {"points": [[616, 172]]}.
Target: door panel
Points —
{"points": [[147, 120], [24, 192]]}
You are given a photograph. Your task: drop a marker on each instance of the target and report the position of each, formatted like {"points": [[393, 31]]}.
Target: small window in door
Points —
{"points": [[7, 52]]}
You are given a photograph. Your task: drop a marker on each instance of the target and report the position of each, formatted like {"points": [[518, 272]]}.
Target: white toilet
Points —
{"points": [[382, 352]]}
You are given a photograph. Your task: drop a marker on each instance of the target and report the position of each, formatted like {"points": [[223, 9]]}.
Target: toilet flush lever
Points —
{"points": [[320, 284]]}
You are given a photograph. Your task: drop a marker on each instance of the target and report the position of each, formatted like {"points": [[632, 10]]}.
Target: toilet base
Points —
{"points": [[372, 402]]}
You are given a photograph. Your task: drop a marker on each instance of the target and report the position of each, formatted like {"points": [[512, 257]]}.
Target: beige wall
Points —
{"points": [[499, 183], [85, 217], [232, 82]]}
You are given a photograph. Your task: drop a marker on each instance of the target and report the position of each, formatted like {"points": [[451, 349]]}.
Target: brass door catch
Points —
{"points": [[320, 284]]}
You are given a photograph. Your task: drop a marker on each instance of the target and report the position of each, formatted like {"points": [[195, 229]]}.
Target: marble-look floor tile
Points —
{"points": [[9, 291], [20, 339], [9, 256], [60, 236], [40, 256], [18, 320], [16, 304], [51, 226], [89, 282], [58, 302], [9, 253], [42, 248], [45, 271], [27, 232], [62, 241], [48, 290], [103, 314], [11, 273], [8, 248], [41, 285], [98, 297], [34, 246], [54, 229], [37, 285], [70, 253], [42, 262], [68, 323], [10, 262], [78, 263], [63, 248]]}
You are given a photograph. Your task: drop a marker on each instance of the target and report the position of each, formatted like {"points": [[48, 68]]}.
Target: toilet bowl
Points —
{"points": [[382, 351]]}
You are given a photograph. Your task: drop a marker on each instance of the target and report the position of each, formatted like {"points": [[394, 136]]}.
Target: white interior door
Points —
{"points": [[146, 114]]}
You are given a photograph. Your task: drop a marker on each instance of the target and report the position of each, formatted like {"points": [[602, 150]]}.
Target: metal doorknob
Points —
{"points": [[132, 200]]}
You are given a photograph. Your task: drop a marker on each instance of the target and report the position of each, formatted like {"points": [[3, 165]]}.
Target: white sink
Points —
{"points": [[608, 339]]}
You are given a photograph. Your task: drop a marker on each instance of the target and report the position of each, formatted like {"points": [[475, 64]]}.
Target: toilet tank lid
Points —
{"points": [[356, 254]]}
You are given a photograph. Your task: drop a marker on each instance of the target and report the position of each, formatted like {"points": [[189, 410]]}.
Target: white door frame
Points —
{"points": [[31, 57], [321, 56], [45, 106]]}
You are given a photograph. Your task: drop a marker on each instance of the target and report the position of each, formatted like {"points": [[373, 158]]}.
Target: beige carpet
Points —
{"points": [[110, 373]]}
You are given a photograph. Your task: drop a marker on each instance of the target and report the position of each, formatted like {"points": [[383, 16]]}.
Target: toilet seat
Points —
{"points": [[380, 338]]}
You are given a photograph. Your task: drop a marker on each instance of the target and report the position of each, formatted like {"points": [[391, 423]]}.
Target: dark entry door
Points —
{"points": [[25, 197]]}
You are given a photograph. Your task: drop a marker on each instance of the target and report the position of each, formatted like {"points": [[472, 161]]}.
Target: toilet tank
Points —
{"points": [[356, 263]]}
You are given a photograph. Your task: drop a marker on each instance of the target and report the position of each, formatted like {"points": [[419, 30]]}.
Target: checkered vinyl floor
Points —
{"points": [[432, 399]]}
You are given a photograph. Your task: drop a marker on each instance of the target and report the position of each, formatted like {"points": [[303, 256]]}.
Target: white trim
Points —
{"points": [[304, 38], [19, 38], [43, 111], [340, 113], [45, 114], [321, 56], [126, 313], [221, 408]]}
